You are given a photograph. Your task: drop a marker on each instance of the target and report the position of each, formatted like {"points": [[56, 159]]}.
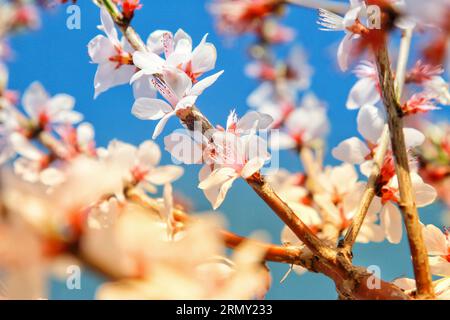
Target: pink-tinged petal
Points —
{"points": [[148, 61], [200, 86], [52, 177], [143, 88], [353, 14], [186, 102], [148, 153], [343, 177], [424, 194], [324, 202], [177, 81], [217, 177], [24, 147], [344, 51], [204, 57], [366, 168], [370, 123], [260, 95], [181, 35], [406, 284], [252, 166], [413, 137], [391, 221], [370, 232], [164, 174], [35, 99], [352, 150], [108, 26], [154, 41], [216, 184], [100, 49], [85, 134], [442, 288], [288, 237], [70, 117], [439, 266], [282, 141], [363, 92], [161, 124], [253, 120], [107, 76], [184, 148], [61, 102], [435, 240], [307, 214], [183, 48], [150, 109]]}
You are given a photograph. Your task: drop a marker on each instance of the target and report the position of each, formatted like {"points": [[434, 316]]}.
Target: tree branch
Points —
{"points": [[370, 190], [407, 201]]}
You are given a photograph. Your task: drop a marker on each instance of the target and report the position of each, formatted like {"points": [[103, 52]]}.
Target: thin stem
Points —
{"points": [[129, 33], [333, 6], [407, 201], [400, 75], [370, 190], [368, 195], [285, 213], [311, 168]]}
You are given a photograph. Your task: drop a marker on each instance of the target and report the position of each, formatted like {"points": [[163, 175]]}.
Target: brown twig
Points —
{"points": [[370, 190], [407, 201]]}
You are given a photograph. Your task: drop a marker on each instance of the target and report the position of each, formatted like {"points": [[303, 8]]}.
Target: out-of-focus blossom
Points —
{"points": [[139, 165], [174, 271], [438, 246], [22, 264], [367, 89], [340, 200], [304, 125], [239, 16], [419, 103], [433, 13], [441, 287], [434, 158], [129, 7], [47, 111], [274, 33], [79, 140], [282, 81], [371, 123], [429, 77], [391, 218]]}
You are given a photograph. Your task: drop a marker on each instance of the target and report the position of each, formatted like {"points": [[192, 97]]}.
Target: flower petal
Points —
{"points": [[370, 123], [150, 109], [363, 92], [200, 86], [391, 221], [352, 150]]}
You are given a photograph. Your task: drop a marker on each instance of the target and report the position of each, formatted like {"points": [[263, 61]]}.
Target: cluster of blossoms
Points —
{"points": [[148, 243], [235, 17]]}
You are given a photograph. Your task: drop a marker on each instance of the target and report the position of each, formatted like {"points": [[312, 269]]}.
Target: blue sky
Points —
{"points": [[58, 58]]}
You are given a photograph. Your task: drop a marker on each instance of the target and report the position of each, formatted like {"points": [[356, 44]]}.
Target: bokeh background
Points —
{"points": [[58, 58]]}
